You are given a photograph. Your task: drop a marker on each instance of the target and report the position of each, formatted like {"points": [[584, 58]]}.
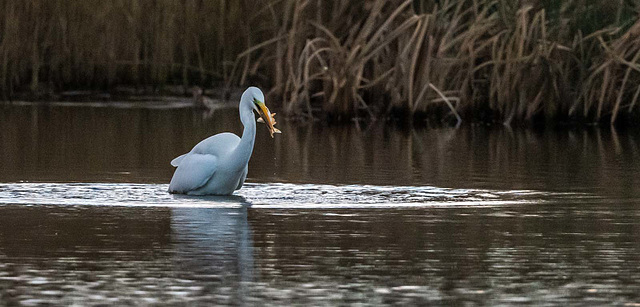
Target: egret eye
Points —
{"points": [[256, 104]]}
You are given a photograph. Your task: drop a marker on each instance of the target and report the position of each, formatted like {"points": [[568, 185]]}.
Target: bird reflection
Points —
{"points": [[214, 243]]}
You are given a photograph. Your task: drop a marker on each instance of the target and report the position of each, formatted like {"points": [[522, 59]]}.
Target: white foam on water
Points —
{"points": [[262, 195]]}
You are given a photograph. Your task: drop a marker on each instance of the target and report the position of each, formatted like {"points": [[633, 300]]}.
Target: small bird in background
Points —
{"points": [[200, 100]]}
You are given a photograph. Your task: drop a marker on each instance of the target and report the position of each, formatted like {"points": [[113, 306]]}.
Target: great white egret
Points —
{"points": [[218, 165]]}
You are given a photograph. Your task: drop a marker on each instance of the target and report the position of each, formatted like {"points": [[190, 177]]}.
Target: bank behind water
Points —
{"points": [[491, 60]]}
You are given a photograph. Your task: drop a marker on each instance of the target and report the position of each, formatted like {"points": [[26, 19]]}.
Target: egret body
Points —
{"points": [[218, 165]]}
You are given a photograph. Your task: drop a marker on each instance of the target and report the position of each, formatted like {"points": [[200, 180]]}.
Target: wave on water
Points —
{"points": [[261, 195]]}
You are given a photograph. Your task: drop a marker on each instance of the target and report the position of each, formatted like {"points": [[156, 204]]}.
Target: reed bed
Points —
{"points": [[497, 60]]}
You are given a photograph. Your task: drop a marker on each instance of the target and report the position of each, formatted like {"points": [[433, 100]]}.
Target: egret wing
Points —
{"points": [[194, 170], [243, 177], [175, 162]]}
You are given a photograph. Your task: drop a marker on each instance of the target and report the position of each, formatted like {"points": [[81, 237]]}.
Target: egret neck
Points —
{"points": [[243, 151]]}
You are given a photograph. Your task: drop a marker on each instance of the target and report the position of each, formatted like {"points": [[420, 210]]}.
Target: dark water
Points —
{"points": [[331, 215]]}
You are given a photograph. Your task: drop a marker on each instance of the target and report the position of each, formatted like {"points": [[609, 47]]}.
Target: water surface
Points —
{"points": [[373, 214]]}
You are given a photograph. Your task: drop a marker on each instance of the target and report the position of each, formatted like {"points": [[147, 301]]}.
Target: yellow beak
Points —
{"points": [[267, 118]]}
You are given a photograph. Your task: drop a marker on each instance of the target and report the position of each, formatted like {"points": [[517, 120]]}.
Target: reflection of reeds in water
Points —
{"points": [[470, 157], [99, 145], [511, 60]]}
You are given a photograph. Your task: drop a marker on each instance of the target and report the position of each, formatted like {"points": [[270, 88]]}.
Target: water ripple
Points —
{"points": [[272, 195]]}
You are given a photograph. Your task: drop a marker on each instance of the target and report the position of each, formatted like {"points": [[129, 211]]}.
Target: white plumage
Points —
{"points": [[218, 165]]}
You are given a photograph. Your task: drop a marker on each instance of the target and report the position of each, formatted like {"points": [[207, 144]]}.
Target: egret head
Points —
{"points": [[256, 97]]}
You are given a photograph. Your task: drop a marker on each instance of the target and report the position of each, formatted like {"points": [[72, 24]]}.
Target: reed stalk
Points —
{"points": [[514, 60]]}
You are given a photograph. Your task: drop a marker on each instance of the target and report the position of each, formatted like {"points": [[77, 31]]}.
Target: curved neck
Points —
{"points": [[243, 151]]}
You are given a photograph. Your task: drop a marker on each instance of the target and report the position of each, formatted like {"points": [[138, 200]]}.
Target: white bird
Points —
{"points": [[218, 165]]}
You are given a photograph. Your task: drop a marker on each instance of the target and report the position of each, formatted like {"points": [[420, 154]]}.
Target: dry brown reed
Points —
{"points": [[515, 60], [100, 43]]}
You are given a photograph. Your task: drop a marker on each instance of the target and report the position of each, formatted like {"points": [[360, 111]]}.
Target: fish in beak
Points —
{"points": [[266, 117]]}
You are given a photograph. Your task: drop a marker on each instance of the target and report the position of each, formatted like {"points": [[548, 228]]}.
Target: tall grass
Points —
{"points": [[499, 59], [97, 44]]}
